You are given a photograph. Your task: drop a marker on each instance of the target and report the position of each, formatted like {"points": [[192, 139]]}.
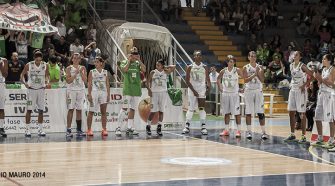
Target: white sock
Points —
{"points": [[121, 117], [130, 123], [202, 115], [28, 127], [238, 126], [249, 128], [40, 126], [189, 115], [320, 137], [226, 127], [263, 129], [2, 122], [149, 122]]}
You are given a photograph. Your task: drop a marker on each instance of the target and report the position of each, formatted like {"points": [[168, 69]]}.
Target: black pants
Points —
{"points": [[310, 117]]}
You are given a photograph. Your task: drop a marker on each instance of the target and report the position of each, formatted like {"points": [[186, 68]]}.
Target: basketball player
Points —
{"points": [[131, 68], [297, 99], [3, 75], [157, 89], [98, 95], [75, 94], [323, 110], [38, 79], [254, 101], [230, 101], [198, 83]]}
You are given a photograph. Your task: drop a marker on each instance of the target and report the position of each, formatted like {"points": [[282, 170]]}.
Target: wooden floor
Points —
{"points": [[136, 161]]}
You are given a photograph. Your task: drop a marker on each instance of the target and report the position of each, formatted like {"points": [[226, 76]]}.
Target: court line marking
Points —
{"points": [[317, 157], [191, 137], [194, 178]]}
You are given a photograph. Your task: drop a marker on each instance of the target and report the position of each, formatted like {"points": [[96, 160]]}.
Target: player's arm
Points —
{"points": [[108, 89], [169, 69], [239, 72], [83, 74], [4, 67], [69, 78], [125, 67], [23, 73], [149, 82], [260, 73], [89, 87], [310, 73], [219, 80], [47, 75], [246, 77], [208, 81], [142, 67], [188, 76]]}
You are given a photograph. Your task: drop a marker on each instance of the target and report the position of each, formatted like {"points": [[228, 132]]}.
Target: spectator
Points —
{"points": [[109, 69], [91, 32], [276, 71], [244, 25], [287, 53], [92, 52], [165, 10], [3, 36], [252, 43], [188, 3], [175, 9], [332, 47], [213, 75], [62, 50], [22, 47], [263, 54], [314, 65], [197, 7], [76, 47], [61, 27], [10, 46], [54, 71], [324, 35], [323, 50], [308, 48], [15, 67], [311, 104], [47, 45]]}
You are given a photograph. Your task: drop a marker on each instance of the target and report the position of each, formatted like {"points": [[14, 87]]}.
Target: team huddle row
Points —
{"points": [[197, 79]]}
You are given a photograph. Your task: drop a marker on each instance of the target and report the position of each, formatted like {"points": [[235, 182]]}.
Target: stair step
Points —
{"points": [[276, 105], [225, 52], [209, 28], [190, 13], [230, 48], [271, 92], [211, 42], [276, 110], [216, 38], [195, 18], [276, 98], [212, 33], [238, 58], [200, 23], [241, 65]]}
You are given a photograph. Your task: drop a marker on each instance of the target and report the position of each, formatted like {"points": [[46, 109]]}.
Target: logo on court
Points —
{"points": [[197, 161]]}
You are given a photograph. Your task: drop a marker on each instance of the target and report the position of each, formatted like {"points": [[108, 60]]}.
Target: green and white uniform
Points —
{"points": [[99, 89], [297, 99], [230, 101], [36, 83], [75, 92], [159, 91]]}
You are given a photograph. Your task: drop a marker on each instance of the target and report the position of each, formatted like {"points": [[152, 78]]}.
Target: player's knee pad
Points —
{"points": [[189, 115], [261, 116], [202, 114]]}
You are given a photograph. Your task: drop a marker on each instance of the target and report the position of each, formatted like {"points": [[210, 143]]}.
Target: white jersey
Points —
{"points": [[77, 83], [159, 81], [36, 75], [298, 76], [2, 79], [255, 83], [198, 75], [325, 74], [99, 80], [230, 80]]}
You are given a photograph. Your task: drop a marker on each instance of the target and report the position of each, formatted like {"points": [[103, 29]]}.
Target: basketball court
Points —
{"points": [[173, 159]]}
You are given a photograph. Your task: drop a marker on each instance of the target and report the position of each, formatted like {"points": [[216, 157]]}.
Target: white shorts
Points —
{"points": [[254, 101], [158, 101], [297, 101], [230, 103], [323, 110], [98, 98], [130, 102], [36, 99], [333, 106], [201, 91], [2, 95], [75, 99]]}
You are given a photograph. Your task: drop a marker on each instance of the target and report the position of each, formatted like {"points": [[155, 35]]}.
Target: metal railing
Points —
{"points": [[140, 11]]}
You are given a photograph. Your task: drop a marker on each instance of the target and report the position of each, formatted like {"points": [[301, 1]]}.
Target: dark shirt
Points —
{"points": [[62, 48], [109, 68], [14, 71]]}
